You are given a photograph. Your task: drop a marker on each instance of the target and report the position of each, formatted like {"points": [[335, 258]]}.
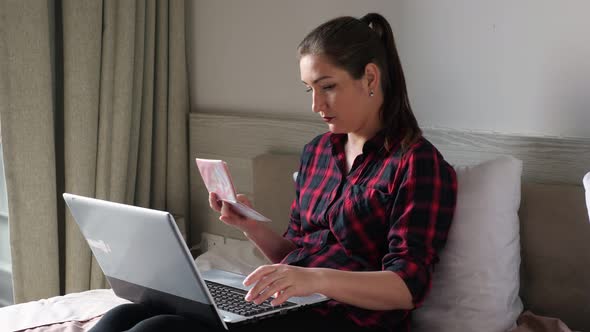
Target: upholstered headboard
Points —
{"points": [[262, 154]]}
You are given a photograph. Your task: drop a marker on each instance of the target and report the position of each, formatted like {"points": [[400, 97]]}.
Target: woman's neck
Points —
{"points": [[356, 141]]}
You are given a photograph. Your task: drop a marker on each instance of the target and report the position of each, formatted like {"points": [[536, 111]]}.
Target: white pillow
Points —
{"points": [[237, 256], [476, 283], [587, 187]]}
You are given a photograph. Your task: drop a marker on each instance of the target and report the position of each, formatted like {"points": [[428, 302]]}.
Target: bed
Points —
{"points": [[551, 266]]}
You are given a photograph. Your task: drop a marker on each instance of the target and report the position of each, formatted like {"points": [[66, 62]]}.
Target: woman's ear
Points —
{"points": [[372, 76]]}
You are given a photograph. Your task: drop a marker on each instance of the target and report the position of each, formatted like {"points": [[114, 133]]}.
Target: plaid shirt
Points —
{"points": [[391, 212]]}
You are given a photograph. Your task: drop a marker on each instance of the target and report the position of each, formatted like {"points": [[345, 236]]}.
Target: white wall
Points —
{"points": [[507, 66]]}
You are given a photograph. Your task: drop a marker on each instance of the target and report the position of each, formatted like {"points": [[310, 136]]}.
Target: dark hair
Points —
{"points": [[351, 44]]}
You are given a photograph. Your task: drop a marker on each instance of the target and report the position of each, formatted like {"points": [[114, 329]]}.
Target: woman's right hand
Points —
{"points": [[231, 217]]}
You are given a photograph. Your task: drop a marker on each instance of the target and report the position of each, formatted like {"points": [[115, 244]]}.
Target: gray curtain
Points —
{"points": [[93, 101]]}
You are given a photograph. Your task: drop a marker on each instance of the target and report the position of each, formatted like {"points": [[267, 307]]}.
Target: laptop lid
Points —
{"points": [[143, 256]]}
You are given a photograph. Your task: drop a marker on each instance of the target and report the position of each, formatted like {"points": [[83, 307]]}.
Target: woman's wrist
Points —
{"points": [[321, 279], [251, 229]]}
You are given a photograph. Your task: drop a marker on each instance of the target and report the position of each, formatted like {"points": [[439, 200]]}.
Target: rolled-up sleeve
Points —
{"points": [[294, 231], [420, 219]]}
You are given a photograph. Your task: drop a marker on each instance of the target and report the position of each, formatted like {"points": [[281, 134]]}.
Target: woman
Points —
{"points": [[374, 199]]}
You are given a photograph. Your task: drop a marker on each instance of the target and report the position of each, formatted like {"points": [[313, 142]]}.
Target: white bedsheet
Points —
{"points": [[71, 307]]}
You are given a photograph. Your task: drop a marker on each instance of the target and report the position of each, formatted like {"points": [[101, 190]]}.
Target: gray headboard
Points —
{"points": [[262, 153]]}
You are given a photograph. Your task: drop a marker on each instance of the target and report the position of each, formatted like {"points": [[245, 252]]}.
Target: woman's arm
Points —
{"points": [[378, 290], [271, 244]]}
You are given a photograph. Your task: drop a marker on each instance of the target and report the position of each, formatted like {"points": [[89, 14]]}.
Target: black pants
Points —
{"points": [[140, 318]]}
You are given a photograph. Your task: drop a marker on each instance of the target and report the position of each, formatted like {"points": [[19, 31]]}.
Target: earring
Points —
{"points": [[371, 93]]}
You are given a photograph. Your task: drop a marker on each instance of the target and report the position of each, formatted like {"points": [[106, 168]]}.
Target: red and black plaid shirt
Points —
{"points": [[392, 211]]}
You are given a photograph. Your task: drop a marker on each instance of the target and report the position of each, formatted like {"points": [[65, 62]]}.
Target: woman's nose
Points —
{"points": [[317, 103]]}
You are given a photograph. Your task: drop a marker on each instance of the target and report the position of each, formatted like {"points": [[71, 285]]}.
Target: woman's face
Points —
{"points": [[343, 102]]}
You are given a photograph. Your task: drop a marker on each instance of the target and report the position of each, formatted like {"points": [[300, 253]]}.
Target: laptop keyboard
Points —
{"points": [[232, 299]]}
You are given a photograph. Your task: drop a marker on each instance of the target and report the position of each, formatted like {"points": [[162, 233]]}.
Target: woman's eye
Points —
{"points": [[324, 88]]}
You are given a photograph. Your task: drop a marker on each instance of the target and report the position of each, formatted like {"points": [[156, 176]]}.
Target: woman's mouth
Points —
{"points": [[328, 118]]}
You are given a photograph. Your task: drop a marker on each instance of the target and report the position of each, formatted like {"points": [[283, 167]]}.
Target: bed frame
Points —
{"points": [[555, 233]]}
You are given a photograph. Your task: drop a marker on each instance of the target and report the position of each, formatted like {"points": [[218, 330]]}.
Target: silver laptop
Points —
{"points": [[145, 260]]}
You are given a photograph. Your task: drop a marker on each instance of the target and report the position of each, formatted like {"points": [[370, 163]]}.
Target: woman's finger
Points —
{"points": [[260, 273], [244, 200], [260, 289], [225, 209], [214, 202], [262, 283], [283, 296], [273, 289]]}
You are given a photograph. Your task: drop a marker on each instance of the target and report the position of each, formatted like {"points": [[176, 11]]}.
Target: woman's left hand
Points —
{"points": [[281, 281]]}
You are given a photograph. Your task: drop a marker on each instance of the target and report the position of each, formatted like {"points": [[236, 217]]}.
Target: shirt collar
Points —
{"points": [[376, 143]]}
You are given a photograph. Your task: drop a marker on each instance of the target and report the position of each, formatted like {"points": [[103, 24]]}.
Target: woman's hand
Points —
{"points": [[229, 216], [281, 281], [271, 244]]}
